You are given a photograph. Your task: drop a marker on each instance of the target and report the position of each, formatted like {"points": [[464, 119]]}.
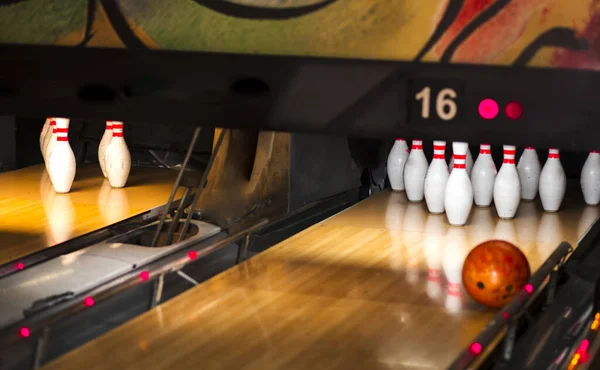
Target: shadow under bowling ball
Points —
{"points": [[494, 271]]}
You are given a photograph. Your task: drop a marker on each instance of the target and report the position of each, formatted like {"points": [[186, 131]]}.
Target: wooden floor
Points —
{"points": [[34, 217], [374, 287]]}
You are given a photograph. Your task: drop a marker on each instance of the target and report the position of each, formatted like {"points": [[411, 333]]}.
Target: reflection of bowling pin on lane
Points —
{"points": [[118, 159], [526, 223], [454, 255], [103, 198], [483, 176], [482, 225], [395, 164], [506, 230], [106, 139], [412, 230], [117, 205], [394, 210], [553, 182], [433, 247], [590, 179], [436, 179], [549, 234], [529, 173], [61, 217], [415, 171], [588, 216]]}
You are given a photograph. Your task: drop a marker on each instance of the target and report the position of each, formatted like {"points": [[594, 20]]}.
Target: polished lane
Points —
{"points": [[374, 287], [33, 217]]}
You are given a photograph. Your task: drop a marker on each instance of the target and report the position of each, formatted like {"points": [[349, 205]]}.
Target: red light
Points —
{"points": [[528, 288], [488, 109], [475, 348], [505, 315], [20, 265], [88, 301], [144, 275], [24, 332], [193, 255], [513, 110]]}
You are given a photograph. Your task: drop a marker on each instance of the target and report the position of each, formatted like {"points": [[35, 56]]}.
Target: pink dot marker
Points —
{"points": [[488, 109]]}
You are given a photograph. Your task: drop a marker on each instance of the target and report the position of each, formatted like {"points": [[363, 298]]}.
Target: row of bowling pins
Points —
{"points": [[454, 191], [59, 159]]}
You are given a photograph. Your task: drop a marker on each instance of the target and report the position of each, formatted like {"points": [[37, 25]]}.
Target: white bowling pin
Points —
{"points": [[106, 139], [118, 159], [436, 179], [43, 133], [529, 173], [553, 182], [507, 187], [415, 171], [395, 164], [468, 162], [48, 139], [483, 177], [590, 179], [61, 160], [458, 198]]}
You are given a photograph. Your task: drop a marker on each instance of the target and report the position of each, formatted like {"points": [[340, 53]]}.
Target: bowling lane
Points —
{"points": [[34, 217], [374, 287]]}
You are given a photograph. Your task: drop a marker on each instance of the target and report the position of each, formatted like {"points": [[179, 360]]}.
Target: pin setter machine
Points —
{"points": [[301, 101]]}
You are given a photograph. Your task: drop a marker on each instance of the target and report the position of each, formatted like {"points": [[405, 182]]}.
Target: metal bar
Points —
{"points": [[176, 186], [511, 336], [487, 336], [157, 289], [188, 219], [41, 348], [175, 220], [187, 277], [243, 250]]}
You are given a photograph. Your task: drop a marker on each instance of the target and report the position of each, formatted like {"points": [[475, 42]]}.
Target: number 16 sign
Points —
{"points": [[434, 101]]}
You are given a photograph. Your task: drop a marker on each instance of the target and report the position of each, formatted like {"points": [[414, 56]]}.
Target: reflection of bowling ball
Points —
{"points": [[494, 271]]}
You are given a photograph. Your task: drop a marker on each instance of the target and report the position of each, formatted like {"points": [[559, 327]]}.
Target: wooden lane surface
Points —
{"points": [[34, 217], [374, 287]]}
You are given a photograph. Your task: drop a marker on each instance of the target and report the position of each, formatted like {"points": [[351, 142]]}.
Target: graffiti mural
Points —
{"points": [[540, 33]]}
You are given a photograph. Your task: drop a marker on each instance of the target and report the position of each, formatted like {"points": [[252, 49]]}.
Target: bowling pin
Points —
{"points": [[415, 171], [43, 133], [468, 162], [106, 138], [590, 179], [507, 187], [458, 197], [483, 177], [118, 159], [48, 138], [529, 173], [395, 164], [436, 179], [61, 160], [553, 182]]}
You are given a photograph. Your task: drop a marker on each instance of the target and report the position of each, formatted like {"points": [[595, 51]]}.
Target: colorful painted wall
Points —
{"points": [[543, 33]]}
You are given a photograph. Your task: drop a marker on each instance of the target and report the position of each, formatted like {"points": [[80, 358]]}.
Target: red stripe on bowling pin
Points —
{"points": [[553, 153], [417, 145], [509, 156], [117, 129], [62, 134], [485, 149], [438, 151], [459, 160]]}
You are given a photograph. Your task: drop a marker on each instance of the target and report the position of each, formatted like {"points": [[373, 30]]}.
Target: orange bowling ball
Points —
{"points": [[494, 271]]}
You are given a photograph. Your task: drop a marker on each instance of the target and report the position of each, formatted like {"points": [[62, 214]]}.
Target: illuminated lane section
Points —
{"points": [[33, 217], [377, 286]]}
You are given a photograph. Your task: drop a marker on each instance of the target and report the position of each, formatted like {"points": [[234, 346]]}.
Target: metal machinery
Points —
{"points": [[306, 96]]}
